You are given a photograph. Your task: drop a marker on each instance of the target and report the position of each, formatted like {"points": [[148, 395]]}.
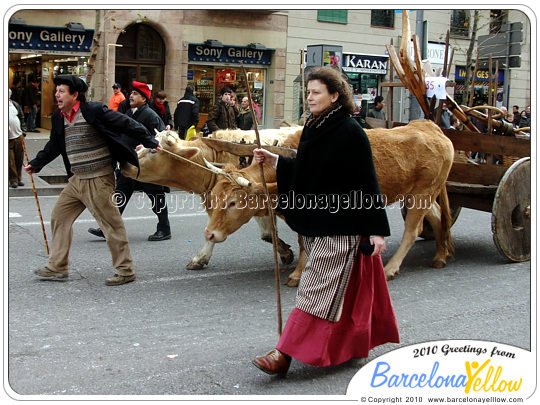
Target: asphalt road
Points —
{"points": [[176, 332]]}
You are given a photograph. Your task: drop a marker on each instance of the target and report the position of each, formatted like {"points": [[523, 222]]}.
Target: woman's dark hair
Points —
{"points": [[335, 83], [161, 95]]}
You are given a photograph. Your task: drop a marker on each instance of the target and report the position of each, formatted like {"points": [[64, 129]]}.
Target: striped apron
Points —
{"points": [[325, 278]]}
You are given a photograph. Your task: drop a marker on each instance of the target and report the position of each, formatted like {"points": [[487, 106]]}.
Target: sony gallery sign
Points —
{"points": [[229, 54], [49, 40]]}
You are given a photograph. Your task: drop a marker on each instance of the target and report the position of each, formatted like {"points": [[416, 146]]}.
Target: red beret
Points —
{"points": [[143, 89]]}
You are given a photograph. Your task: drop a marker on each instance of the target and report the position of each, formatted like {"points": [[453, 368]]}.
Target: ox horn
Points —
{"points": [[241, 181], [215, 169]]}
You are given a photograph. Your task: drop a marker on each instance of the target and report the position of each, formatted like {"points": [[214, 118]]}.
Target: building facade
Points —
{"points": [[209, 49], [364, 34], [168, 49]]}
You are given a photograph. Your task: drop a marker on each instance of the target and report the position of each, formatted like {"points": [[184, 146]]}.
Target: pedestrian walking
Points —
{"points": [[222, 114], [377, 112], [31, 100], [15, 142], [125, 186], [525, 118], [17, 91], [187, 112], [343, 307], [117, 97], [445, 116], [90, 138], [161, 106], [244, 120]]}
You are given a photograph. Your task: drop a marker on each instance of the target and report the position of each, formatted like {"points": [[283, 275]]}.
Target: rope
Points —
{"points": [[187, 160]]}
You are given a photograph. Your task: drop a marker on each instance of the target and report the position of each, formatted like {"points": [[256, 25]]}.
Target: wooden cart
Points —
{"points": [[502, 189]]}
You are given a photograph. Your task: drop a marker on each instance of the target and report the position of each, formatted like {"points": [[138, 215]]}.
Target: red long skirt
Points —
{"points": [[367, 320]]}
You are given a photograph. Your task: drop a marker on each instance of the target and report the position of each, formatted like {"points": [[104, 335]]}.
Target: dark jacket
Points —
{"points": [[524, 120], [244, 120], [334, 163], [124, 106], [445, 118], [121, 133], [221, 117], [166, 117], [151, 120], [148, 117], [20, 115], [187, 111], [17, 94], [31, 96], [375, 113]]}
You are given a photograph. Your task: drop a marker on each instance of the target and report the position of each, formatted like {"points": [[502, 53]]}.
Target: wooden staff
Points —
{"points": [[270, 211], [37, 201], [303, 88], [389, 109]]}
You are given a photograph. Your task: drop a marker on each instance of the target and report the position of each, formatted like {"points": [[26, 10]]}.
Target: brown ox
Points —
{"points": [[174, 170], [412, 164]]}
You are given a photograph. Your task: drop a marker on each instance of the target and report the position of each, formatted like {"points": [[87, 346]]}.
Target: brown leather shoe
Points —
{"points": [[273, 362]]}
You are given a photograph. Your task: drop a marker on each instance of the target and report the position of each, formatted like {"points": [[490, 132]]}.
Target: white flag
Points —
{"points": [[436, 86]]}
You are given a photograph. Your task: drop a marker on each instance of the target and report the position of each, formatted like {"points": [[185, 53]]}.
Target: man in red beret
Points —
{"points": [[91, 138], [141, 112]]}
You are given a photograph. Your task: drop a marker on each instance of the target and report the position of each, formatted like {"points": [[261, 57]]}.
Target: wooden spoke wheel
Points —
{"points": [[511, 213]]}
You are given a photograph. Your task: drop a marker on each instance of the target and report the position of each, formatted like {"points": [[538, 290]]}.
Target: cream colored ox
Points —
{"points": [[182, 165], [412, 164], [274, 137]]}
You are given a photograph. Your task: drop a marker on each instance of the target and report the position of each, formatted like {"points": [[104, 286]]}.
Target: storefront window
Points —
{"points": [[208, 82], [141, 57], [365, 89]]}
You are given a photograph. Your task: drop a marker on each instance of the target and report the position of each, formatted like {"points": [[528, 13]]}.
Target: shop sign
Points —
{"points": [[365, 63], [48, 40], [229, 54], [435, 53], [482, 75]]}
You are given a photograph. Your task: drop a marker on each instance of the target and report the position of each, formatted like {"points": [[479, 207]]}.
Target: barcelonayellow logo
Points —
{"points": [[447, 369]]}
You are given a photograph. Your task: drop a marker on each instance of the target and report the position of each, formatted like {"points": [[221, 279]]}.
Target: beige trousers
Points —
{"points": [[96, 195]]}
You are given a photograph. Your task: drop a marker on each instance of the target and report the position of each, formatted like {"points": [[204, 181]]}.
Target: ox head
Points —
{"points": [[237, 197], [160, 167]]}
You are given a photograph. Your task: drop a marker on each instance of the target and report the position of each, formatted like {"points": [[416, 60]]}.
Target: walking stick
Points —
{"points": [[37, 201], [270, 211], [303, 88]]}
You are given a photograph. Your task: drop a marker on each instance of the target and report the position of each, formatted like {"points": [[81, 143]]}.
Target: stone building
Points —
{"points": [[172, 48]]}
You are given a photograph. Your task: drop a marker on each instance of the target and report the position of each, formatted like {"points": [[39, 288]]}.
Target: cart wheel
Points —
{"points": [[427, 230], [511, 214]]}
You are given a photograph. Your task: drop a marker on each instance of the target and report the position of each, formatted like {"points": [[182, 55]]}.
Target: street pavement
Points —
{"points": [[175, 332]]}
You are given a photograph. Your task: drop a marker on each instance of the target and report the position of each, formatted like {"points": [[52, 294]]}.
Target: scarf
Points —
{"points": [[161, 107], [316, 121]]}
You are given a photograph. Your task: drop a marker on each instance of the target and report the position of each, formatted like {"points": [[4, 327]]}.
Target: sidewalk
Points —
{"points": [[51, 179]]}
